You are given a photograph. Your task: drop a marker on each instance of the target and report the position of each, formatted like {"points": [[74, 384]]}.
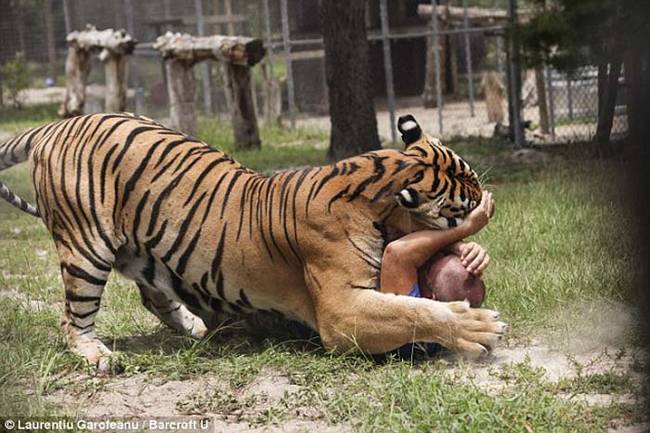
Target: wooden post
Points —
{"points": [[116, 85], [181, 87], [113, 47], [182, 51], [244, 121], [77, 68]]}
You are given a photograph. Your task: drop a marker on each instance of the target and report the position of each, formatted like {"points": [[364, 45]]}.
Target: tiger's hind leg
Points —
{"points": [[84, 283], [172, 313]]}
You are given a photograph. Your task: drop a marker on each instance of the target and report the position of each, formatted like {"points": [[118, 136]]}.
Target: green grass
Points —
{"points": [[14, 120], [560, 237], [281, 147]]}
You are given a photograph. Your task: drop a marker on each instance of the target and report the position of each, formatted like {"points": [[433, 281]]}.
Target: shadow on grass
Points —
{"points": [[239, 337], [252, 339]]}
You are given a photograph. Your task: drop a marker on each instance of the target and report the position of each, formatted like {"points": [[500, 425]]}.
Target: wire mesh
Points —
{"points": [[471, 63]]}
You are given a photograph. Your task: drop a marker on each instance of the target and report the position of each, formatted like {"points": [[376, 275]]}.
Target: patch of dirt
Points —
{"points": [[271, 385], [600, 399], [588, 344], [143, 397], [492, 374], [131, 396]]}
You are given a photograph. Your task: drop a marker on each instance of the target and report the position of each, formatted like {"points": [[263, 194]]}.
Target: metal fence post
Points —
{"points": [[388, 66], [436, 61], [287, 59], [133, 70], [499, 45], [516, 125], [569, 95], [205, 67], [269, 36], [66, 17], [468, 59]]}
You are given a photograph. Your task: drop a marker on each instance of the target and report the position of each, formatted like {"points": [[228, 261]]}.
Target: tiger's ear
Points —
{"points": [[409, 128], [408, 197]]}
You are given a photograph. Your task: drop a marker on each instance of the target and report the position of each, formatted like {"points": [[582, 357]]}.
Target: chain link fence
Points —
{"points": [[458, 89]]}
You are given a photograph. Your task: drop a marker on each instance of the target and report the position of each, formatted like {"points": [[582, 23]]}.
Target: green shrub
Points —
{"points": [[15, 77]]}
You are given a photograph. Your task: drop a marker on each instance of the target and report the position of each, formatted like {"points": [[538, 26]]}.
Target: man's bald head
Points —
{"points": [[450, 281]]}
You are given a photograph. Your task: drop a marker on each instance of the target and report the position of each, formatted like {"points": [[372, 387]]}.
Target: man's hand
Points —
{"points": [[473, 257], [480, 216]]}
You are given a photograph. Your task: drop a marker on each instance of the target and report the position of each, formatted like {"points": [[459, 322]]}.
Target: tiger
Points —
{"points": [[204, 237]]}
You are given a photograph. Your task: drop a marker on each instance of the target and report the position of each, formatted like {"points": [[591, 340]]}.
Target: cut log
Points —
{"points": [[237, 50], [244, 120], [117, 41], [181, 87]]}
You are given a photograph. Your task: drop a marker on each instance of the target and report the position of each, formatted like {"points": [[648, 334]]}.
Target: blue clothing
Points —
{"points": [[411, 349]]}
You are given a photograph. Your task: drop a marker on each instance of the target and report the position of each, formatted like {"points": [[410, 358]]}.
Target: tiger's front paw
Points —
{"points": [[474, 331]]}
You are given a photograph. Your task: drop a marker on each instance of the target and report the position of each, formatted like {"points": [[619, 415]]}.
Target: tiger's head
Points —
{"points": [[445, 189]]}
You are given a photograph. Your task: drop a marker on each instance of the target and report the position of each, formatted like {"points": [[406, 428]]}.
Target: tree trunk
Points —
{"points": [[182, 90], [607, 106], [638, 94], [352, 112], [244, 120]]}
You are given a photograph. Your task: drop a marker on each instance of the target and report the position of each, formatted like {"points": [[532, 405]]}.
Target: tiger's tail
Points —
{"points": [[14, 152]]}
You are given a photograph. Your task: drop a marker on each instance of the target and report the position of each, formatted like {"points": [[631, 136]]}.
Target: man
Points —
{"points": [[456, 267], [403, 257]]}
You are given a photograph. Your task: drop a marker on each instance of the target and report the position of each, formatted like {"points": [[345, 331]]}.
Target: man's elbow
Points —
{"points": [[396, 252]]}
